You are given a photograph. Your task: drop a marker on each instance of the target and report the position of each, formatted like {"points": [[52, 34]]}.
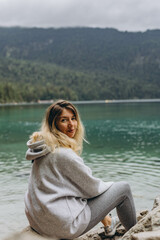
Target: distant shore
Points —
{"points": [[40, 102]]}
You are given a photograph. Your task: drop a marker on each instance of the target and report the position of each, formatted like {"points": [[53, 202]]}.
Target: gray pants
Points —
{"points": [[118, 196]]}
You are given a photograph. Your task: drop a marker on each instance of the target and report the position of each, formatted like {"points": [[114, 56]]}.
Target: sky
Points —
{"points": [[124, 15]]}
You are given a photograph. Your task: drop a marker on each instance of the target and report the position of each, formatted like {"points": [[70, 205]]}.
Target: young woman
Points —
{"points": [[63, 199]]}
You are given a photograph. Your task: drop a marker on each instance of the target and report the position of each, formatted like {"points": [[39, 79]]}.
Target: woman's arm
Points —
{"points": [[80, 175]]}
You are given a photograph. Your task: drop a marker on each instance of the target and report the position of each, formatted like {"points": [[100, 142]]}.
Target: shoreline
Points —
{"points": [[107, 101]]}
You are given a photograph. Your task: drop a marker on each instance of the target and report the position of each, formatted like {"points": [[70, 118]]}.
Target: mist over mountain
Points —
{"points": [[78, 64]]}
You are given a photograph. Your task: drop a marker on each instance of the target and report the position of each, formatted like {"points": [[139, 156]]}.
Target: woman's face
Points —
{"points": [[67, 123]]}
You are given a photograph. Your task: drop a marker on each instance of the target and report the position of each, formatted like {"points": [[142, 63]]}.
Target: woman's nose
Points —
{"points": [[70, 123]]}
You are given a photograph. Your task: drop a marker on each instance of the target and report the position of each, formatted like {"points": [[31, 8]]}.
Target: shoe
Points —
{"points": [[111, 230]]}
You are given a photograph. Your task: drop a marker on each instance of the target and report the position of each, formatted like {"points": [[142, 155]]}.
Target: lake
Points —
{"points": [[124, 144]]}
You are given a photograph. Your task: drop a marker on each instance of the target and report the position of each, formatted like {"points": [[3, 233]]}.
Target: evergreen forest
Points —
{"points": [[78, 64]]}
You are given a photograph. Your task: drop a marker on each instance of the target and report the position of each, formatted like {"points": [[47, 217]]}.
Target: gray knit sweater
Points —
{"points": [[59, 186]]}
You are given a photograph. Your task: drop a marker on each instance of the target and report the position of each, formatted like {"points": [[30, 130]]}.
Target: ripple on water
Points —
{"points": [[135, 168]]}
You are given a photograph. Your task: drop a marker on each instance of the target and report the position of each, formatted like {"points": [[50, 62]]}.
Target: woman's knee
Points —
{"points": [[125, 187]]}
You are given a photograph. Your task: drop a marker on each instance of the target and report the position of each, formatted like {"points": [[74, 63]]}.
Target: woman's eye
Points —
{"points": [[63, 120], [73, 118]]}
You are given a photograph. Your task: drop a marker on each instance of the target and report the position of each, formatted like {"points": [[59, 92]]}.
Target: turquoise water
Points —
{"points": [[124, 142]]}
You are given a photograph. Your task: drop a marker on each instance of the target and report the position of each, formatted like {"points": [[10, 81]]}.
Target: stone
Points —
{"points": [[120, 230], [148, 224], [152, 235], [156, 202], [142, 214], [97, 234], [27, 234]]}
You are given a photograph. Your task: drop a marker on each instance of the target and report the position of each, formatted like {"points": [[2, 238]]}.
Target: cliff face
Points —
{"points": [[147, 228]]}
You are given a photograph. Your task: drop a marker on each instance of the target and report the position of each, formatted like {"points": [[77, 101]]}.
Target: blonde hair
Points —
{"points": [[55, 138]]}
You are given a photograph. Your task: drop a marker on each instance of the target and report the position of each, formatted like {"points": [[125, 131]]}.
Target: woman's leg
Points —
{"points": [[118, 195], [106, 221]]}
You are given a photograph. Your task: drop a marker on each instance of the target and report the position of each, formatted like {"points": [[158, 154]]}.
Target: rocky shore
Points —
{"points": [[147, 228]]}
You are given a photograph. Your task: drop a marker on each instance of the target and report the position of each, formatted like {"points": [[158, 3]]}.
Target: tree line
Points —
{"points": [[78, 64]]}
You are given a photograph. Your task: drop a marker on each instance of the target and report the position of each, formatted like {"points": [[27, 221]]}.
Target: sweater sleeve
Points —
{"points": [[80, 175]]}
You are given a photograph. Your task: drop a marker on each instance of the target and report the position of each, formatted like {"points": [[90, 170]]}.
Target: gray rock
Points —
{"points": [[146, 236], [156, 202], [148, 224], [27, 234]]}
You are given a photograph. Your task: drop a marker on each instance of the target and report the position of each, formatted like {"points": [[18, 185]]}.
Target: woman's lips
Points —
{"points": [[71, 130]]}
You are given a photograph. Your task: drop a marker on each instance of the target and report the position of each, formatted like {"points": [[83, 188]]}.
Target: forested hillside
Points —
{"points": [[78, 64]]}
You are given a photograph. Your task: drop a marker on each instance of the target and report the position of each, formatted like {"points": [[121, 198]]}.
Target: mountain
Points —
{"points": [[78, 63]]}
